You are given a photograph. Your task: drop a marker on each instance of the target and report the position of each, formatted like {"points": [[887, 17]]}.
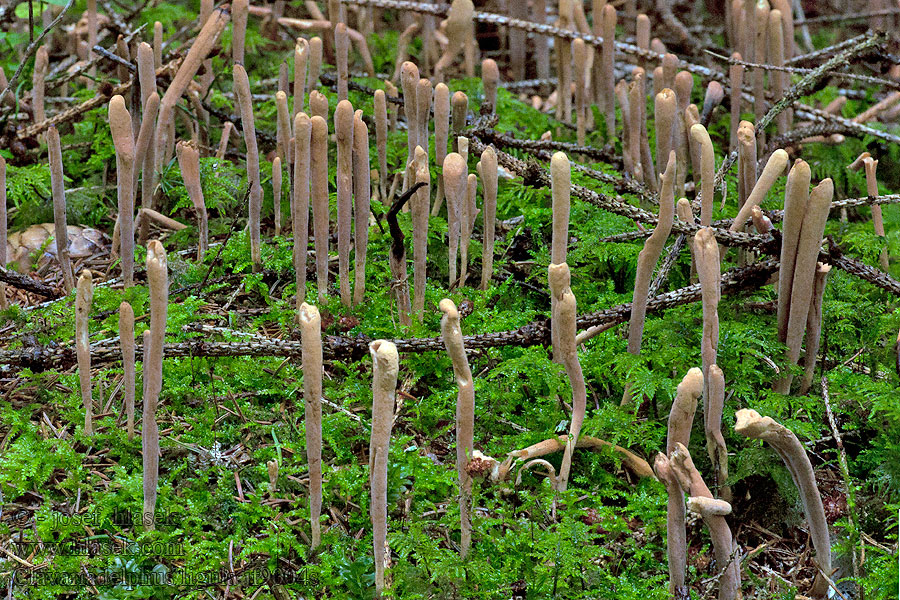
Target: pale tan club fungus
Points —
{"points": [[774, 168], [239, 12], [318, 176], [560, 189], [419, 213], [272, 468], [311, 338], [467, 225], [301, 58], [712, 426], [300, 202], [706, 257], [776, 59], [458, 27], [751, 424], [455, 187], [664, 118], [402, 48], [759, 75], [632, 132], [736, 81], [459, 107], [381, 131], [566, 351], [424, 93], [669, 64], [245, 104], [541, 48], [808, 245], [761, 222], [385, 367], [57, 187], [796, 199], [145, 155], [642, 35], [343, 127], [490, 79], [84, 296], [314, 65], [727, 552], [276, 192], [399, 285], [746, 136], [341, 53], [158, 279], [870, 165], [621, 92], [41, 67], [647, 259], [189, 163], [3, 228], [200, 49], [489, 179], [707, 174], [362, 196], [409, 78], [157, 44], [126, 342], [634, 463], [684, 84], [283, 132], [692, 117], [465, 412], [123, 140], [814, 326], [580, 58], [441, 137], [607, 69], [146, 71], [676, 533], [636, 98], [318, 104], [681, 415]]}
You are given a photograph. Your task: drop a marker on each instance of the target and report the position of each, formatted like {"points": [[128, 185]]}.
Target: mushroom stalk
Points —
{"points": [[647, 259], [343, 126], [490, 79], [239, 10], [455, 185], [664, 113], [157, 276], [419, 212], [318, 174], [774, 168], [242, 93], [706, 257], [489, 183], [41, 66], [796, 199], [381, 131], [341, 51], [300, 202], [301, 57], [441, 137], [311, 336], [608, 63], [123, 140], [362, 195], [58, 189], [814, 326], [385, 367], [465, 413], [84, 295], [560, 189], [736, 79], [276, 192], [870, 165], [707, 174], [189, 163], [565, 315], [712, 425], [750, 424], [3, 228], [126, 341], [469, 212]]}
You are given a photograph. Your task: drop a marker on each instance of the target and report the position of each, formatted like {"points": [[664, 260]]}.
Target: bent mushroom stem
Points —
{"points": [[157, 276], [465, 414], [750, 424], [311, 336], [189, 163], [386, 365]]}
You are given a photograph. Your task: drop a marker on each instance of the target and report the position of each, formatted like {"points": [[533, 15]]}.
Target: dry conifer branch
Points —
{"points": [[120, 128], [311, 334], [750, 424], [57, 186], [362, 194], [189, 164], [242, 95], [300, 202], [84, 296], [647, 261], [451, 333], [808, 246], [126, 341], [318, 174], [343, 126], [157, 276], [385, 363]]}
